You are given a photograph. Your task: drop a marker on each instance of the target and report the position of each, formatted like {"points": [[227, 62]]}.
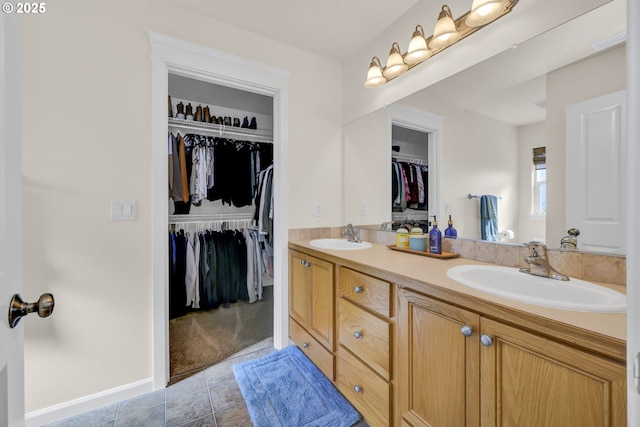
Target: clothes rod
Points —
{"points": [[408, 159], [210, 218], [215, 130], [473, 196]]}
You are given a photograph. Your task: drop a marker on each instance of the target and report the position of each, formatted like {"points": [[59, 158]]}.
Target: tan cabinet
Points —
{"points": [[438, 381], [529, 380], [365, 335], [458, 368], [312, 309]]}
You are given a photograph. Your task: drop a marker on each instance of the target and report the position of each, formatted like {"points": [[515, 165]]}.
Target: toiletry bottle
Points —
{"points": [[402, 238], [435, 238], [450, 232]]}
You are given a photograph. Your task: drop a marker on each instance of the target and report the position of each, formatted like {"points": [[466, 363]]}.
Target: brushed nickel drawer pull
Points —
{"points": [[466, 330], [357, 334], [358, 289], [305, 345], [357, 389], [486, 340]]}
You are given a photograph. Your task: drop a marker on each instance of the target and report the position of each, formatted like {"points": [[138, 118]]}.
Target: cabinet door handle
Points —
{"points": [[305, 263], [466, 330], [486, 340], [305, 345], [357, 334], [357, 289], [357, 389]]}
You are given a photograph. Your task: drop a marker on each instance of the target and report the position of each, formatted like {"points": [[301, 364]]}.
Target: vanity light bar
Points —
{"points": [[421, 48]]}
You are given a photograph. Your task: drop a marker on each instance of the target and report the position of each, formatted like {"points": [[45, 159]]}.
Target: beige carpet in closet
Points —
{"points": [[203, 338]]}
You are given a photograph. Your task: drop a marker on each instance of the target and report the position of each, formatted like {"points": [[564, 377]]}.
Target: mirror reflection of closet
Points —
{"points": [[410, 146]]}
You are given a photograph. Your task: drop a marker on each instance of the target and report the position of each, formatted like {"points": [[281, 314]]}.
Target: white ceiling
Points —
{"points": [[337, 29], [332, 28]]}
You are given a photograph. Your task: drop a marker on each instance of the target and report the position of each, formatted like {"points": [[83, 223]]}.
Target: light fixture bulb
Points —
{"points": [[374, 75], [418, 50], [484, 11], [445, 32], [395, 63]]}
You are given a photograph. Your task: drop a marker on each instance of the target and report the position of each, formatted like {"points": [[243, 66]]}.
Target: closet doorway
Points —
{"points": [[415, 138], [176, 59], [221, 231], [409, 158]]}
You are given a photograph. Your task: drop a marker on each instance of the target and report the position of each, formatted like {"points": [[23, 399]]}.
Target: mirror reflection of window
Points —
{"points": [[539, 207]]}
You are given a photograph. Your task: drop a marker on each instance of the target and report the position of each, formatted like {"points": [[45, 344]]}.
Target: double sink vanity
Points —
{"points": [[415, 341]]}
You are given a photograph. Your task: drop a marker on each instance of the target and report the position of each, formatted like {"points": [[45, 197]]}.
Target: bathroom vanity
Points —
{"points": [[409, 346]]}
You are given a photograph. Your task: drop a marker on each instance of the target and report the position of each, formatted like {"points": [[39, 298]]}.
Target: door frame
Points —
{"points": [[421, 121], [633, 210], [12, 400], [175, 56]]}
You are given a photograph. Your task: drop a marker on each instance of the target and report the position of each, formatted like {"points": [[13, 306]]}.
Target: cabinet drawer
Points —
{"points": [[370, 394], [320, 356], [367, 291], [366, 336]]}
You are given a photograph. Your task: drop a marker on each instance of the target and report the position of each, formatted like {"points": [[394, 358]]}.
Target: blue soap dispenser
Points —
{"points": [[435, 238], [450, 232]]}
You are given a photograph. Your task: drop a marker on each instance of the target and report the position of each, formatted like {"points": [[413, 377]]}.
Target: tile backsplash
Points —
{"points": [[586, 266]]}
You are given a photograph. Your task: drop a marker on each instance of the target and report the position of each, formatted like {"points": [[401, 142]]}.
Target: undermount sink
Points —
{"points": [[510, 283], [339, 244]]}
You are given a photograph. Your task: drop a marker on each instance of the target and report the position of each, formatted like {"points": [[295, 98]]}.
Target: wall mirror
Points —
{"points": [[493, 115]]}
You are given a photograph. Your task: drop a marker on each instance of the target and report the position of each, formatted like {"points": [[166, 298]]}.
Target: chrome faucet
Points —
{"points": [[539, 262], [351, 233], [570, 241]]}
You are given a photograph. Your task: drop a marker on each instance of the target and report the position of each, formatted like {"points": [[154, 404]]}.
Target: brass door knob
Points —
{"points": [[18, 308]]}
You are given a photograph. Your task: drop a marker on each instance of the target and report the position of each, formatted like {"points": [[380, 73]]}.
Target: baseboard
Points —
{"points": [[87, 403]]}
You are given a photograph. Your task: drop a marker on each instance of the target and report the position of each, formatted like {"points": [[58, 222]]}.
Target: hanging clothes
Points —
{"points": [[203, 167], [177, 262], [410, 186], [255, 266], [210, 269]]}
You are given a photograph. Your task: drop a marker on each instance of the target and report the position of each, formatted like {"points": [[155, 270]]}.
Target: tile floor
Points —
{"points": [[210, 398]]}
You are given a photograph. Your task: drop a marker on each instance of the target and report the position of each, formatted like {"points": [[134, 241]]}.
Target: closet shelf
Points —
{"points": [[222, 131], [207, 217], [409, 159]]}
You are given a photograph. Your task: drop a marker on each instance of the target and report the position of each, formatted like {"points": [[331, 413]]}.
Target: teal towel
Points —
{"points": [[489, 218]]}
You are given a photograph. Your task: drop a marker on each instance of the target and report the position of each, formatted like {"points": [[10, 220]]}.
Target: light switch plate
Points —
{"points": [[123, 210]]}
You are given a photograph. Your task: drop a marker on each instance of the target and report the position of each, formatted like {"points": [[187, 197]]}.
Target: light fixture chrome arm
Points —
{"points": [[446, 33]]}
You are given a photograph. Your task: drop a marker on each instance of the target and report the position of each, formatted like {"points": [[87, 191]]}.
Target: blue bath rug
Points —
{"points": [[285, 389]]}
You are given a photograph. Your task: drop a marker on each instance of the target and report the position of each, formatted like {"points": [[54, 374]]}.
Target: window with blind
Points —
{"points": [[539, 178]]}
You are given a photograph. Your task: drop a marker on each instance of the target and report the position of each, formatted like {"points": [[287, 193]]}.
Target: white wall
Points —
{"points": [[478, 156], [595, 76], [366, 148], [529, 227], [86, 111]]}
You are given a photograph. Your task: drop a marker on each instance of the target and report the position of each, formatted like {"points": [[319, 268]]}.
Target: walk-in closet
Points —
{"points": [[221, 216], [409, 177]]}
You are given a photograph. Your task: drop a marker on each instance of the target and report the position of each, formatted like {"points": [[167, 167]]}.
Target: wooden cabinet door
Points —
{"points": [[530, 381], [438, 382], [321, 316], [298, 287], [312, 296]]}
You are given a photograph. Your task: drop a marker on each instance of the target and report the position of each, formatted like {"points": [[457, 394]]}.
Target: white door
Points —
{"points": [[596, 172], [11, 340]]}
